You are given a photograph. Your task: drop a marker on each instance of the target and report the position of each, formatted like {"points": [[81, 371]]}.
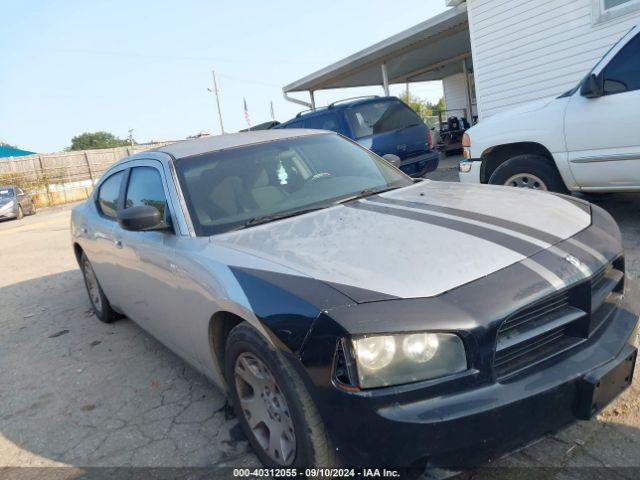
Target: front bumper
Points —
{"points": [[469, 171], [421, 164], [395, 427]]}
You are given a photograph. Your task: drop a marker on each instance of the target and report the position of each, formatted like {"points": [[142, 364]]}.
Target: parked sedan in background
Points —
{"points": [[356, 316], [14, 203]]}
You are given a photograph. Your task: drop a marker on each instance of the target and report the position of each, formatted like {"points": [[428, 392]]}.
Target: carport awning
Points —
{"points": [[431, 50]]}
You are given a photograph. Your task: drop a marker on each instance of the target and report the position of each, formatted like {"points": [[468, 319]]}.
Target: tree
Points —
{"points": [[89, 141], [425, 109]]}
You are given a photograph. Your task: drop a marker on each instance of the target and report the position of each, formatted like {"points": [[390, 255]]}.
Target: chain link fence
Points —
{"points": [[57, 178]]}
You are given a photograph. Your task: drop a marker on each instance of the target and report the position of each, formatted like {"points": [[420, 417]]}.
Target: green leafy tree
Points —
{"points": [[89, 141], [425, 109]]}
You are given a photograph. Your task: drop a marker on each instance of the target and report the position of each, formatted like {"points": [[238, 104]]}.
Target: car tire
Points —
{"points": [[297, 416], [33, 208], [99, 302], [20, 214], [529, 171]]}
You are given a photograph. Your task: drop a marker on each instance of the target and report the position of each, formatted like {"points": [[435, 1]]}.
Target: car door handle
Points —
{"points": [[118, 243]]}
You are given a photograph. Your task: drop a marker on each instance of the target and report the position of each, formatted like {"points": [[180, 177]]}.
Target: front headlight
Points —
{"points": [[383, 360]]}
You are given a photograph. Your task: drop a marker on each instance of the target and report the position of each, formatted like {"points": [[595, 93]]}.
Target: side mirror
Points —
{"points": [[141, 218], [392, 159], [593, 86]]}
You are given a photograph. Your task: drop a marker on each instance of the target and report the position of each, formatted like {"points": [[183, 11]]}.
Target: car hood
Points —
{"points": [[418, 241]]}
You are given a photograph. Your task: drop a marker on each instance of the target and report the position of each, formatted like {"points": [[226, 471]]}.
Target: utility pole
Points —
{"points": [[130, 137], [215, 90]]}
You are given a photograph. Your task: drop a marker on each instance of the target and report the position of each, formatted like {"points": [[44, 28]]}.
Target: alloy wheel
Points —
{"points": [[265, 408]]}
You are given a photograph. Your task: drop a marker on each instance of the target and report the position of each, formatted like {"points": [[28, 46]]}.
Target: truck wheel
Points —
{"points": [[273, 405], [529, 171]]}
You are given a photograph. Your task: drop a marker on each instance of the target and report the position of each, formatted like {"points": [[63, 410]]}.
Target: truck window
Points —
{"points": [[379, 117], [622, 74]]}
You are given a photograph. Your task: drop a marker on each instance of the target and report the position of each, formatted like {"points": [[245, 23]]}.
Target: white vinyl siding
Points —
{"points": [[455, 95], [525, 51]]}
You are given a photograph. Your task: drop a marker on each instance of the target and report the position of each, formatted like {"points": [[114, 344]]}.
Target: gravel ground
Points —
{"points": [[76, 392]]}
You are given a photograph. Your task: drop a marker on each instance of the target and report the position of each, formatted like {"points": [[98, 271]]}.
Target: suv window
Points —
{"points": [[109, 194], [323, 122], [622, 74], [296, 124], [379, 117], [145, 188]]}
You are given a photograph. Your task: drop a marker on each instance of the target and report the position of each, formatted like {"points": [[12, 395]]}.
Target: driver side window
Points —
{"points": [[145, 188], [622, 74]]}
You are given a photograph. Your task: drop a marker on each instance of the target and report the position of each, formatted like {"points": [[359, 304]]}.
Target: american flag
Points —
{"points": [[246, 112]]}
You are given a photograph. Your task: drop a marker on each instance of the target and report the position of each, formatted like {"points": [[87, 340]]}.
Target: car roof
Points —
{"points": [[8, 186], [335, 107], [216, 143]]}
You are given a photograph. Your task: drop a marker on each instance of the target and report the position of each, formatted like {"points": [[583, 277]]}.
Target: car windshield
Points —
{"points": [[6, 192], [372, 118], [244, 186]]}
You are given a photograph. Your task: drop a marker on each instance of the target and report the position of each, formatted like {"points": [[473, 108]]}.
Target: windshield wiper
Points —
{"points": [[252, 222], [367, 192], [279, 216]]}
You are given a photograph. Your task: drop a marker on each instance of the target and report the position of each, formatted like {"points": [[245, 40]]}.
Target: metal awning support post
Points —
{"points": [[385, 79], [467, 89], [313, 99], [295, 100]]}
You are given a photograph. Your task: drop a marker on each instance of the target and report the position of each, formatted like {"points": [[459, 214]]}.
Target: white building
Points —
{"points": [[509, 52]]}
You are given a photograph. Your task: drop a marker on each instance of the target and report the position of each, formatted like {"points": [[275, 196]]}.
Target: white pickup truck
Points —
{"points": [[587, 139]]}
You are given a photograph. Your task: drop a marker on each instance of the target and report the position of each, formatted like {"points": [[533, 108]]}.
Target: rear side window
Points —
{"points": [[109, 194], [622, 74], [323, 122], [145, 188], [380, 117]]}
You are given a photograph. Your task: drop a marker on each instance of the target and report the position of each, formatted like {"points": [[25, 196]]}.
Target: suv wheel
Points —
{"points": [[20, 214], [273, 405], [529, 171]]}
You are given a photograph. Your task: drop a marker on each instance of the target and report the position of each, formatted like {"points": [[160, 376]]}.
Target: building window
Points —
{"points": [[605, 10]]}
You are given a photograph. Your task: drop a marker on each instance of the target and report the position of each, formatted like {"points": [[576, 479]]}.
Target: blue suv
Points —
{"points": [[382, 124]]}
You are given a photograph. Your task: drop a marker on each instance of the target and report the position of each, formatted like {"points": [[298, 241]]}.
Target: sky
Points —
{"points": [[72, 66]]}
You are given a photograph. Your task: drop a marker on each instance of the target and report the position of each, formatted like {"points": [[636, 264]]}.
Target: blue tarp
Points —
{"points": [[7, 151]]}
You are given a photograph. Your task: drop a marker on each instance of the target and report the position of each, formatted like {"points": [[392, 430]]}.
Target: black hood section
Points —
{"points": [[288, 304]]}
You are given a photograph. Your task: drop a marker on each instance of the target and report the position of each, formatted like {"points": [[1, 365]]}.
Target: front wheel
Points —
{"points": [[20, 214], [273, 405], [529, 171]]}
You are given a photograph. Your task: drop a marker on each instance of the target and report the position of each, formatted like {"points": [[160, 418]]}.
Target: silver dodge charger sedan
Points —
{"points": [[355, 316]]}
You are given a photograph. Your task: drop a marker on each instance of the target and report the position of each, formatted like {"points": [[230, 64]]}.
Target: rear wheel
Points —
{"points": [[33, 208], [529, 171], [99, 303], [273, 405]]}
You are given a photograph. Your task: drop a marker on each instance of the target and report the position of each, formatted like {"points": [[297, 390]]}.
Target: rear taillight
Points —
{"points": [[430, 139]]}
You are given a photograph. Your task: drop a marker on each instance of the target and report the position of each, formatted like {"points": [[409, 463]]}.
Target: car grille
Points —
{"points": [[556, 323]]}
